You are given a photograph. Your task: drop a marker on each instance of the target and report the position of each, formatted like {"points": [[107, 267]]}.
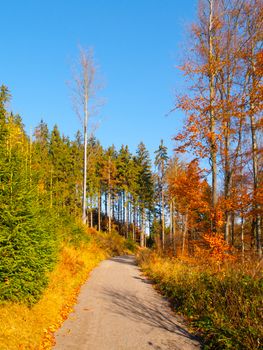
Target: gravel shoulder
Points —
{"points": [[118, 309]]}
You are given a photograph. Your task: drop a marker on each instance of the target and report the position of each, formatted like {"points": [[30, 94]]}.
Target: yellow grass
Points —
{"points": [[32, 328]]}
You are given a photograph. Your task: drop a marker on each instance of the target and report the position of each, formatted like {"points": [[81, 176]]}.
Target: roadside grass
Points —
{"points": [[26, 327], [224, 306]]}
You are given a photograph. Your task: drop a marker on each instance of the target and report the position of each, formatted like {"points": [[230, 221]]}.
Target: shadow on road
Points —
{"points": [[143, 279], [125, 259], [149, 311]]}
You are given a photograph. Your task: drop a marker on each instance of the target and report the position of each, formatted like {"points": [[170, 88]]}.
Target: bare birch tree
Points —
{"points": [[84, 89]]}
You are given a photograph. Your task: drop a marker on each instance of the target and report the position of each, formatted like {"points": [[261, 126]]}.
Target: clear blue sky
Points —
{"points": [[137, 44]]}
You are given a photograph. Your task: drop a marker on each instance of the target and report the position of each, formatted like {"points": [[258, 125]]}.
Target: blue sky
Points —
{"points": [[137, 45]]}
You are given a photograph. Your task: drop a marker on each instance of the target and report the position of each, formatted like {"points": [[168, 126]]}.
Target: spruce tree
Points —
{"points": [[161, 158], [144, 182]]}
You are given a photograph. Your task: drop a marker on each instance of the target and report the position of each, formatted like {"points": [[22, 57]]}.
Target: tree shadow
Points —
{"points": [[143, 279], [124, 259], [149, 311]]}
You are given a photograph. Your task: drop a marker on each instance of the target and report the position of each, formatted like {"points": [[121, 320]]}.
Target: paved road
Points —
{"points": [[118, 309]]}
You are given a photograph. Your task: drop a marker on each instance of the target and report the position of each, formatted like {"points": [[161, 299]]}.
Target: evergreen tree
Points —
{"points": [[144, 184], [108, 177], [124, 169], [27, 245], [161, 158]]}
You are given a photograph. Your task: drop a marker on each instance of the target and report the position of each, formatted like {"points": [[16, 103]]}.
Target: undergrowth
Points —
{"points": [[31, 326], [224, 306]]}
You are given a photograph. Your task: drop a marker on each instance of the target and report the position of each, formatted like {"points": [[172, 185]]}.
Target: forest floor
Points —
{"points": [[118, 309]]}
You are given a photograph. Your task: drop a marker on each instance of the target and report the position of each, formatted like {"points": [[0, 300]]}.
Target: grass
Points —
{"points": [[26, 328], [223, 306]]}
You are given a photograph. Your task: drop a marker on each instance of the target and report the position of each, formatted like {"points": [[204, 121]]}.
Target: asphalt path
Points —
{"points": [[118, 309]]}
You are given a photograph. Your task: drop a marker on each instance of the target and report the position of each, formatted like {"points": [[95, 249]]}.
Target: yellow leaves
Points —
{"points": [[41, 187], [16, 136], [33, 328]]}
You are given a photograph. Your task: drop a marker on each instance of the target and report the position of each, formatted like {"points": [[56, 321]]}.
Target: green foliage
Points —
{"points": [[225, 307], [130, 245], [144, 179], [69, 230], [41, 194], [27, 252], [27, 241]]}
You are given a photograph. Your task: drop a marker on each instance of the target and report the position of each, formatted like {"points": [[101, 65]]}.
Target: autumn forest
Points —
{"points": [[194, 219]]}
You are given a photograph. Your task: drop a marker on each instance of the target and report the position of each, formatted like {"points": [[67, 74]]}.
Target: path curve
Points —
{"points": [[118, 309]]}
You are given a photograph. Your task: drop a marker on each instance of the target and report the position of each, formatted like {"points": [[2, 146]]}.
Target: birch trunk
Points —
{"points": [[213, 148], [99, 210], [255, 166], [163, 223]]}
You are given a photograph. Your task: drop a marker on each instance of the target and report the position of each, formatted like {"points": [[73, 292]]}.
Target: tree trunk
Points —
{"points": [[84, 199], [99, 210], [242, 237], [109, 195], [213, 148], [227, 180], [134, 222], [174, 229], [171, 222], [91, 212], [106, 203], [142, 229], [51, 188], [109, 212], [113, 206], [256, 182], [163, 223], [126, 215], [185, 229], [232, 228]]}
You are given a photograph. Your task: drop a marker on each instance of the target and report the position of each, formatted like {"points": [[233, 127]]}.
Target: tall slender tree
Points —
{"points": [[84, 92], [144, 186], [161, 158]]}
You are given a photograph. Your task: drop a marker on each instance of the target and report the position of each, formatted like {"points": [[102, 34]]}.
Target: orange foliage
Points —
{"points": [[187, 186], [219, 250]]}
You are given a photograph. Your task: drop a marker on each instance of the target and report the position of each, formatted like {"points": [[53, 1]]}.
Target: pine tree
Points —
{"points": [[123, 164]]}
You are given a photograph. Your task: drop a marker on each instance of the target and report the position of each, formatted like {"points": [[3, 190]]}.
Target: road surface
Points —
{"points": [[118, 309]]}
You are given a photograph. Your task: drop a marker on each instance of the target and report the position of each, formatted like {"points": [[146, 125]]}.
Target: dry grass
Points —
{"points": [[223, 304], [32, 328]]}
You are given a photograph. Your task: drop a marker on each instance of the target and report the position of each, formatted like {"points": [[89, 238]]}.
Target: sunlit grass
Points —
{"points": [[224, 305]]}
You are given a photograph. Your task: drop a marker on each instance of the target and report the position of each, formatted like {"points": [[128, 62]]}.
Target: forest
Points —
{"points": [[201, 206]]}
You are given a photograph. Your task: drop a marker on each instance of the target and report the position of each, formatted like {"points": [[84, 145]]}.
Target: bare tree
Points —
{"points": [[84, 89]]}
